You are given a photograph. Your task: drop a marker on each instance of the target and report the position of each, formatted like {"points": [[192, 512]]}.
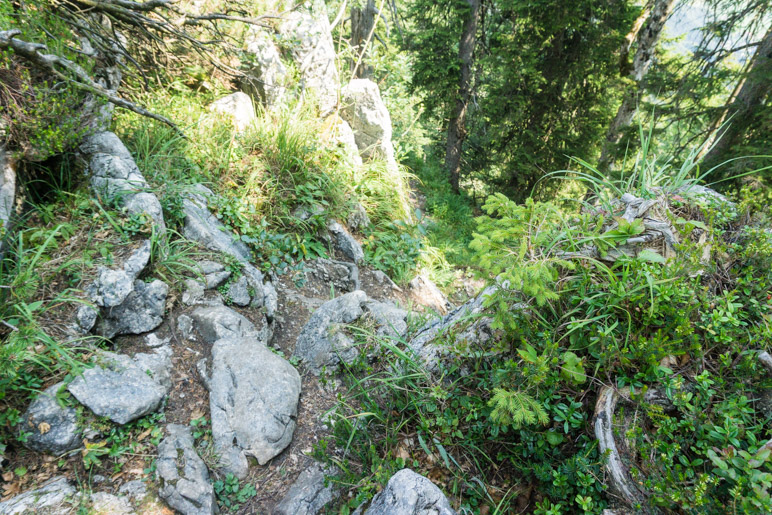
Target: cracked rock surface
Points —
{"points": [[253, 402], [184, 477], [308, 495], [124, 388]]}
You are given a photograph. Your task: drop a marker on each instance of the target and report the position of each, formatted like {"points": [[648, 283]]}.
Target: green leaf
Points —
{"points": [[651, 257]]}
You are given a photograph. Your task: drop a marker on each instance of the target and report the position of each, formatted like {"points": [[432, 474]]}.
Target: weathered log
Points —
{"points": [[621, 482]]}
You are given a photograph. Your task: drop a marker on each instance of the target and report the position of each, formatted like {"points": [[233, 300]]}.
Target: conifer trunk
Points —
{"points": [[749, 95], [457, 124]]}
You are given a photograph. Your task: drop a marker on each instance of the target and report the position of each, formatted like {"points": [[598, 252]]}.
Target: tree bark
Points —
{"points": [[457, 124], [362, 22], [646, 39], [749, 94]]}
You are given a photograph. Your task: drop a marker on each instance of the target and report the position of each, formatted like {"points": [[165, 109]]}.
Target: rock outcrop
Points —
{"points": [[116, 178], [364, 110], [426, 293], [408, 493], [124, 388], [184, 478], [267, 76], [306, 33], [344, 243], [237, 107]]}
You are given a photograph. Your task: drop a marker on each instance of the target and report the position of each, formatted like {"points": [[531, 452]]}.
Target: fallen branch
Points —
{"points": [[621, 482], [34, 53]]}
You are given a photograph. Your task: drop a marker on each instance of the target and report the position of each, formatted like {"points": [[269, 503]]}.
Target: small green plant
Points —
{"points": [[231, 494]]}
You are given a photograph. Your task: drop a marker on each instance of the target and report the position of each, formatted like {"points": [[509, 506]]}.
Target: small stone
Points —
{"points": [[185, 327], [152, 340], [194, 292], [183, 474], [308, 495], [238, 292], [207, 267], [426, 293], [357, 218], [49, 427], [142, 311], [103, 503], [85, 318], [215, 279], [218, 322], [345, 243], [391, 320], [238, 107], [135, 490], [409, 493]]}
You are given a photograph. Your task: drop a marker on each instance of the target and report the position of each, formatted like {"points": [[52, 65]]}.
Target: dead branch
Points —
{"points": [[59, 66]]}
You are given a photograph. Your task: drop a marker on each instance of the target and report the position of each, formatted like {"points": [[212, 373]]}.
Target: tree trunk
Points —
{"points": [[362, 22], [457, 124], [750, 93], [644, 55]]}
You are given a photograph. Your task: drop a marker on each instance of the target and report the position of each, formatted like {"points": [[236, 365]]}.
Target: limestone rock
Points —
{"points": [[345, 243], [103, 503], [7, 188], [54, 496], [390, 319], [253, 399], [468, 323], [368, 117], [308, 495], [202, 226], [142, 311], [152, 340], [111, 287], [238, 292], [185, 327], [307, 33], [357, 218], [183, 474], [267, 77], [236, 106], [408, 493], [339, 132], [116, 177], [343, 276], [426, 293], [122, 388], [321, 342], [50, 427], [217, 322]]}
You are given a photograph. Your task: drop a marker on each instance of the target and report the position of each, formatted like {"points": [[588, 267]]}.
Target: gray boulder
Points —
{"points": [[308, 495], [408, 493], [142, 311], [345, 243], [216, 322], [390, 320], [50, 428], [184, 479], [116, 177], [56, 495], [425, 292], [307, 33], [236, 106], [368, 117], [267, 76], [123, 388], [253, 401], [321, 342], [342, 275]]}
